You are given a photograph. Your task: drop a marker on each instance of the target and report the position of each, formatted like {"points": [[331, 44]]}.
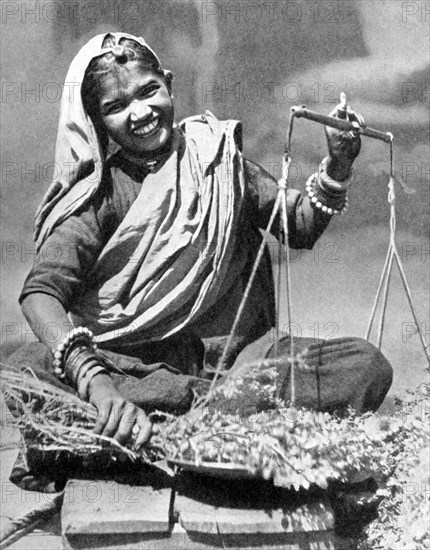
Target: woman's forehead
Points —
{"points": [[124, 80]]}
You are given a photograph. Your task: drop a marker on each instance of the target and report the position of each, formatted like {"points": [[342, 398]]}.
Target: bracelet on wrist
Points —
{"points": [[79, 358], [332, 203], [77, 336], [76, 360], [330, 183], [84, 370]]}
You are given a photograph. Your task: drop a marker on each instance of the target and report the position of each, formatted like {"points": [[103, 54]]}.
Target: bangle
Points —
{"points": [[84, 383], [337, 200], [84, 369], [80, 335], [77, 359], [330, 202], [330, 183]]}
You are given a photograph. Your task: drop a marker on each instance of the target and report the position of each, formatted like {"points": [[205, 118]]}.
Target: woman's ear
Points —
{"points": [[168, 78]]}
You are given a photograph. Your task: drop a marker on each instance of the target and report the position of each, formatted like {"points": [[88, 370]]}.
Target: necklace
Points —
{"points": [[149, 164]]}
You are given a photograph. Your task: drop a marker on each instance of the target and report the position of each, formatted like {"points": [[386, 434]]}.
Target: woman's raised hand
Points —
{"points": [[343, 147]]}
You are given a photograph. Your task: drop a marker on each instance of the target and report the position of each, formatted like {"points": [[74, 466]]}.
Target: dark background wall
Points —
{"points": [[250, 60]]}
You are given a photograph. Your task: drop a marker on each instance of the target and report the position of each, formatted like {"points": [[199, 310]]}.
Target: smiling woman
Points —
{"points": [[128, 95], [136, 109], [160, 237]]}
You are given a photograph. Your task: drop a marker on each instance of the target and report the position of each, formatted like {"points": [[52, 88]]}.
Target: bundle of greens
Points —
{"points": [[404, 514], [51, 419], [247, 426]]}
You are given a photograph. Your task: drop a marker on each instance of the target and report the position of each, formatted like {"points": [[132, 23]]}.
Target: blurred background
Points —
{"points": [[252, 60]]}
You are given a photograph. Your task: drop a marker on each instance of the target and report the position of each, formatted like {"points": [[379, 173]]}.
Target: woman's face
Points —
{"points": [[136, 108]]}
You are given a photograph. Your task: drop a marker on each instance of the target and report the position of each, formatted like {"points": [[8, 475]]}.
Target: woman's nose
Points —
{"points": [[139, 110]]}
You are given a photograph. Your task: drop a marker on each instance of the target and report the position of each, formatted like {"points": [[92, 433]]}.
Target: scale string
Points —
{"points": [[245, 296], [384, 281], [280, 206]]}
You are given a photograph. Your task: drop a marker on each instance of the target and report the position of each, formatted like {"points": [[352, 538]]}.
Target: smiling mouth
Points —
{"points": [[147, 129]]}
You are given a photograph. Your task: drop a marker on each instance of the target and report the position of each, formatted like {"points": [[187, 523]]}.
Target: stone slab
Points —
{"points": [[216, 507], [179, 539], [95, 507], [195, 513]]}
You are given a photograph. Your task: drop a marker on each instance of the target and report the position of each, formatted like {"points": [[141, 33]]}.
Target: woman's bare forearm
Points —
{"points": [[47, 318], [49, 321]]}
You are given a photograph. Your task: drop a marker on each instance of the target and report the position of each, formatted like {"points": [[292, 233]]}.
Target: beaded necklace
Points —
{"points": [[149, 164]]}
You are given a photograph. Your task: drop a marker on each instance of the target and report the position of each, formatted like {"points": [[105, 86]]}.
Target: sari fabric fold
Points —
{"points": [[167, 262]]}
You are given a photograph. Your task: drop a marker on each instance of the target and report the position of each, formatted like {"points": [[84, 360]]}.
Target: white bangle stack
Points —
{"points": [[79, 335], [327, 194], [76, 360]]}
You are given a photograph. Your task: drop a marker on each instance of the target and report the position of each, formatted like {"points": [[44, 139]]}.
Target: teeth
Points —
{"points": [[146, 129]]}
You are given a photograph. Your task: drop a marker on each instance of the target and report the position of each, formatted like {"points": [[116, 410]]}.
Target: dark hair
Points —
{"points": [[110, 63]]}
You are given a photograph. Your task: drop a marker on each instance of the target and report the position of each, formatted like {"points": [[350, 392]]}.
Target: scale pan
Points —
{"points": [[215, 469]]}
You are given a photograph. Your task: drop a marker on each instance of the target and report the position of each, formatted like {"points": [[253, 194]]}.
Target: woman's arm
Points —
{"points": [[307, 219], [305, 223], [47, 318], [117, 417], [54, 282]]}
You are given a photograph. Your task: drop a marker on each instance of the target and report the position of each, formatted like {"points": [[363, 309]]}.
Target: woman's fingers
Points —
{"points": [[145, 429], [344, 145], [127, 423], [353, 116], [346, 112], [103, 413], [114, 420], [339, 111], [113, 414], [360, 119], [121, 420]]}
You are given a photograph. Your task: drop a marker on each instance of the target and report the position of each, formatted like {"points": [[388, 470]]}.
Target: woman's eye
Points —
{"points": [[112, 109], [148, 90], [117, 108]]}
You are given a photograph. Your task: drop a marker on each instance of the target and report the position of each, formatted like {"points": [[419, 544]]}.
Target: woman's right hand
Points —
{"points": [[117, 417]]}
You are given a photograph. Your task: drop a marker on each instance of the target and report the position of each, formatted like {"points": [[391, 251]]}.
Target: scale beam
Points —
{"points": [[300, 111]]}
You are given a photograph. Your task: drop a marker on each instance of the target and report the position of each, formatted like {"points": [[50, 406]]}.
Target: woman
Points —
{"points": [[158, 229]]}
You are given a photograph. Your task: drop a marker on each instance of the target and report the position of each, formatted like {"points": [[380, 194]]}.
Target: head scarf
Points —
{"points": [[79, 155]]}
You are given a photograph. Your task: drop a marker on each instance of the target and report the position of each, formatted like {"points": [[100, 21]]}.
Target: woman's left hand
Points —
{"points": [[343, 147]]}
